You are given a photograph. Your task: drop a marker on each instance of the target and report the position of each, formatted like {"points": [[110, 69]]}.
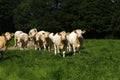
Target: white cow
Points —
{"points": [[40, 40], [3, 40], [43, 40], [23, 39], [80, 36], [16, 36], [75, 39], [60, 42], [48, 41], [32, 34]]}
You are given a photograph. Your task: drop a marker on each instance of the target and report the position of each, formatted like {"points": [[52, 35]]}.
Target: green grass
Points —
{"points": [[100, 60]]}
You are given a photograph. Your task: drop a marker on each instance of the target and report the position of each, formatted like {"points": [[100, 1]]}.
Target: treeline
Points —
{"points": [[100, 18]]}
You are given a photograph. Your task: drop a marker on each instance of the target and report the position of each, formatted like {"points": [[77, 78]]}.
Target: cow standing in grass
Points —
{"points": [[75, 40], [16, 36], [48, 41], [43, 40], [60, 42], [40, 40], [32, 34], [3, 41], [80, 36], [23, 40]]}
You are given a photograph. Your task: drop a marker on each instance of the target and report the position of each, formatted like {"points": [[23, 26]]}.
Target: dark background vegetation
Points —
{"points": [[100, 18]]}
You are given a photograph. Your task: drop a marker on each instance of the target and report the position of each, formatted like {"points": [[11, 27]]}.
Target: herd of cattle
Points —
{"points": [[60, 42]]}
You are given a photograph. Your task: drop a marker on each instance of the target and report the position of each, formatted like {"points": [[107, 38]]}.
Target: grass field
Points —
{"points": [[100, 60]]}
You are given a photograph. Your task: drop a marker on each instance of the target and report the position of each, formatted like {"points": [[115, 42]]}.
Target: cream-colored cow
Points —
{"points": [[16, 36], [23, 39], [80, 36], [60, 42], [43, 40], [32, 34], [75, 39], [48, 41], [3, 40], [40, 40]]}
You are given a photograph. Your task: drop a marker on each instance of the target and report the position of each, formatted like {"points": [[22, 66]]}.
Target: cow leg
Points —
{"points": [[21, 46], [49, 48], [63, 54], [15, 42], [55, 51], [44, 46], [58, 49], [74, 49]]}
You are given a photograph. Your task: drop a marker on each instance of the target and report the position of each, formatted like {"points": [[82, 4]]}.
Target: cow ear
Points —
{"points": [[75, 31], [59, 33], [35, 30], [83, 32], [30, 33]]}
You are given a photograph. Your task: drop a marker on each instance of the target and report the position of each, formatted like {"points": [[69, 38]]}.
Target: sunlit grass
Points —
{"points": [[100, 60]]}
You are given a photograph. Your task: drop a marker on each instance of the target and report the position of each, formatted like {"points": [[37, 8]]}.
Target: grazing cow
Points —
{"points": [[40, 40], [75, 39], [3, 40], [48, 41], [43, 40], [23, 39], [16, 36], [32, 34]]}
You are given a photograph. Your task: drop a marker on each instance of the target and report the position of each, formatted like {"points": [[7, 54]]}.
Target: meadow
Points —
{"points": [[99, 60]]}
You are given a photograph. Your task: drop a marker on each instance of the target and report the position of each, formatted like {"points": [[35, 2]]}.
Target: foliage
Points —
{"points": [[6, 14], [116, 18], [100, 18]]}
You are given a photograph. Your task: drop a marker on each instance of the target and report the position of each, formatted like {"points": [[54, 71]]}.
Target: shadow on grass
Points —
{"points": [[3, 56], [8, 57], [4, 59], [67, 54], [83, 51]]}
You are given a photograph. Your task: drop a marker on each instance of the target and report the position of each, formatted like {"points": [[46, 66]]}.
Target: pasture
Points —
{"points": [[99, 60]]}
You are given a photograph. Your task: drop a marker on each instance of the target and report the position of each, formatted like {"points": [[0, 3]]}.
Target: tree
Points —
{"points": [[22, 15], [6, 15], [95, 16], [116, 19], [92, 15]]}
